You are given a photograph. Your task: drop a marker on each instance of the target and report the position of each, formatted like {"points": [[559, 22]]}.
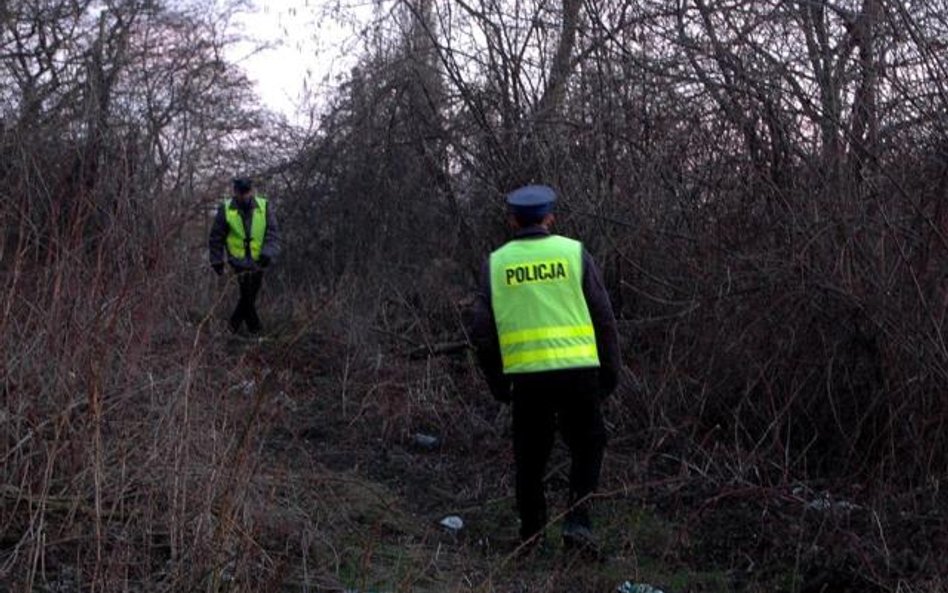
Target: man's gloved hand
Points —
{"points": [[218, 268], [264, 261], [500, 389], [608, 380]]}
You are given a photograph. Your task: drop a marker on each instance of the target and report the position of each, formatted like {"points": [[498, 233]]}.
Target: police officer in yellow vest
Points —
{"points": [[246, 230], [547, 341]]}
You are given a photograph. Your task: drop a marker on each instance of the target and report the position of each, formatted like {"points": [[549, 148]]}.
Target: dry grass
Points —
{"points": [[146, 450]]}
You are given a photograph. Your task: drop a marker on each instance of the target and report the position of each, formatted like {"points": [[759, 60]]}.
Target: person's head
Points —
{"points": [[531, 205], [243, 187]]}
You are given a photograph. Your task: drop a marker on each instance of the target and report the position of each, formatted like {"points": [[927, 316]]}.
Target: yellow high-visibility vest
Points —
{"points": [[238, 244], [542, 318]]}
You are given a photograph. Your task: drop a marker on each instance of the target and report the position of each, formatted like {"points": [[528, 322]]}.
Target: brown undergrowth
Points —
{"points": [[159, 453]]}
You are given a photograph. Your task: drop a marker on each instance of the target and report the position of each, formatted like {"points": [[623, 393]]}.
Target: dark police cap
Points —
{"points": [[242, 184], [531, 200]]}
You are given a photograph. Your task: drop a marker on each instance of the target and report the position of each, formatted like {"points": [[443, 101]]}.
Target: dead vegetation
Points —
{"points": [[764, 186]]}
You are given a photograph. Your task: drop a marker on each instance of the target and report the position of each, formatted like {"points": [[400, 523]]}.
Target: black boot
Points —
{"points": [[577, 533]]}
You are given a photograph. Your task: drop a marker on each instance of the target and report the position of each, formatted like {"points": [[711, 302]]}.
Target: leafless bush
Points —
{"points": [[763, 185], [118, 465]]}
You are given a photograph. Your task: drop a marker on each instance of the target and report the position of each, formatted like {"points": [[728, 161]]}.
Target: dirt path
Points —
{"points": [[352, 503]]}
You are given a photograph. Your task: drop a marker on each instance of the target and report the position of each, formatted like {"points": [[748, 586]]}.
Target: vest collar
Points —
{"points": [[235, 203], [533, 231]]}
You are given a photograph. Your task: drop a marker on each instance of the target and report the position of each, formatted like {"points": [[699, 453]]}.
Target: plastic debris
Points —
{"points": [[247, 387], [823, 501], [452, 523], [630, 587], [426, 441]]}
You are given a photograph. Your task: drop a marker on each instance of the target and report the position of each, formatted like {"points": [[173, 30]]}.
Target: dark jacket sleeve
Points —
{"points": [[483, 333], [272, 240], [218, 237], [604, 322]]}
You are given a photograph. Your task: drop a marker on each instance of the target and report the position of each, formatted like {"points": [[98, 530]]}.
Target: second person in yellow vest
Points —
{"points": [[245, 232]]}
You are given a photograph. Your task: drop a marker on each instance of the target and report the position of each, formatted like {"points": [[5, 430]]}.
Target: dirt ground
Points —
{"points": [[346, 499]]}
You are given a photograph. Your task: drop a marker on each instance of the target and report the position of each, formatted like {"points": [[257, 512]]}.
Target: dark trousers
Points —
{"points": [[543, 403], [246, 311]]}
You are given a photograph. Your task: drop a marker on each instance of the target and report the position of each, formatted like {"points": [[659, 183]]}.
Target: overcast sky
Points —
{"points": [[307, 46]]}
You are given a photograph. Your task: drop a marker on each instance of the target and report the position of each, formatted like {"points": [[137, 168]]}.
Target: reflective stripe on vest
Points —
{"points": [[543, 322], [237, 241]]}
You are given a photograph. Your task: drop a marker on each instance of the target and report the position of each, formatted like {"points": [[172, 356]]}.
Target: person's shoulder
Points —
{"points": [[505, 245], [569, 241]]}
